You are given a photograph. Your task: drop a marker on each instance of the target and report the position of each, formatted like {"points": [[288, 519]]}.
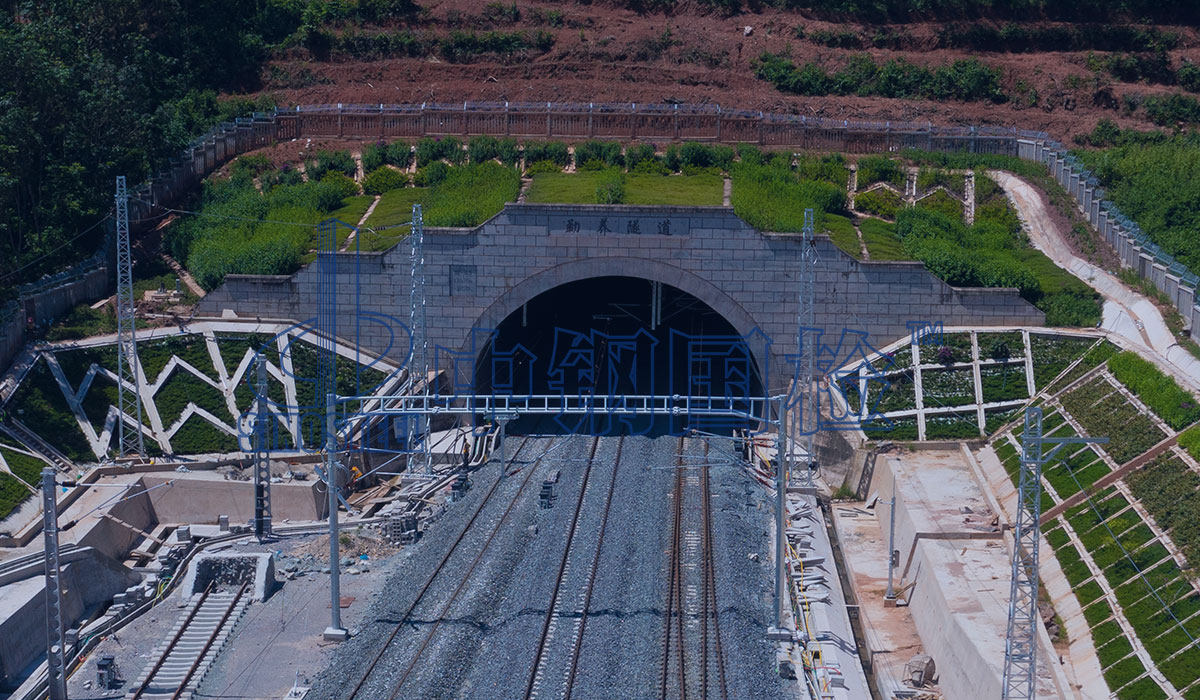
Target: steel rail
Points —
{"points": [[433, 575], [212, 637], [162, 659], [587, 602], [539, 656], [462, 583], [712, 612], [672, 611]]}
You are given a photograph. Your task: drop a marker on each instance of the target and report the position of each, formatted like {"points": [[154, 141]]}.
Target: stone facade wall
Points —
{"points": [[476, 277]]}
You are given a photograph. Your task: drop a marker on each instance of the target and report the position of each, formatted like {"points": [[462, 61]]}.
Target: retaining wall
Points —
{"points": [[475, 278], [87, 583]]}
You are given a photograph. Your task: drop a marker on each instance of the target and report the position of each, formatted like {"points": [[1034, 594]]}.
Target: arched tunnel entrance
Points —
{"points": [[621, 336]]}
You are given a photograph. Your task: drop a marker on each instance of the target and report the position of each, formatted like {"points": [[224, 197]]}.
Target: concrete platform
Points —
{"points": [[954, 571], [891, 634]]}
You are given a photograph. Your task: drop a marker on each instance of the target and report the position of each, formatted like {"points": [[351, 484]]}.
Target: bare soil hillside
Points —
{"points": [[609, 54]]}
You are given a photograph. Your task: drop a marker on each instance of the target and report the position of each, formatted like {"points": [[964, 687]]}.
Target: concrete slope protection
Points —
{"points": [[571, 600], [1126, 313]]}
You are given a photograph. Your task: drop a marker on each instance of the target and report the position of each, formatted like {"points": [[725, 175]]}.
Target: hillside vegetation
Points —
{"points": [[95, 89]]}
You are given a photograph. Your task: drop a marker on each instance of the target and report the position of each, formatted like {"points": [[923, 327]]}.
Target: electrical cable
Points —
{"points": [[62, 245], [110, 501], [1128, 557], [230, 218]]}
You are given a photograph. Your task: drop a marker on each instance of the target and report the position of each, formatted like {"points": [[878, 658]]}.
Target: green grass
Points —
{"points": [[40, 405], [83, 322], [843, 234], [198, 436], [394, 208], [683, 190], [12, 493], [580, 188], [882, 242], [25, 467], [564, 188], [1145, 689], [352, 211]]}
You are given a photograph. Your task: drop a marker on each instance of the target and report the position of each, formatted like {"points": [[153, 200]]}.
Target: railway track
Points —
{"points": [[193, 646], [693, 662], [359, 690], [559, 608]]}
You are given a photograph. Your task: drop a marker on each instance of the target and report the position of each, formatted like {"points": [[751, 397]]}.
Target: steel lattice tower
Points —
{"points": [[1020, 651], [262, 456], [809, 419], [56, 670], [129, 441], [419, 353]]}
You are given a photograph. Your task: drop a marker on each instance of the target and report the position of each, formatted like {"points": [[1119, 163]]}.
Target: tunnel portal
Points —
{"points": [[620, 336]]}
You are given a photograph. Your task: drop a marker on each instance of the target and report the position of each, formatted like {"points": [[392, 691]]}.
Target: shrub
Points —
{"points": [[343, 185], [399, 154], [1172, 109], [749, 154], [1189, 76], [432, 174], [373, 156], [1160, 392], [384, 179], [872, 169], [543, 166], [594, 155], [430, 150], [507, 151], [283, 176], [671, 158], [699, 155], [652, 166], [966, 80], [483, 148], [638, 153], [830, 168], [554, 151], [611, 187], [1190, 441], [331, 161], [941, 202], [881, 202], [253, 165]]}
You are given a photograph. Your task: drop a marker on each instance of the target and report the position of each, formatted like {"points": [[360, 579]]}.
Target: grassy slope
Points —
{"points": [[580, 188]]}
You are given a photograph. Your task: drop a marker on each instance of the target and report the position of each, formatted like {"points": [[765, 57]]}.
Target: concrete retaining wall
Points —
{"points": [[201, 501], [87, 583], [964, 670], [477, 277]]}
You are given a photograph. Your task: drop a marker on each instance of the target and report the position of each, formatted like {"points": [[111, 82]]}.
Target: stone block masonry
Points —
{"points": [[476, 277]]}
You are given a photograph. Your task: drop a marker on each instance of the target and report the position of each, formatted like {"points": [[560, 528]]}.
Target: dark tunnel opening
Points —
{"points": [[607, 336]]}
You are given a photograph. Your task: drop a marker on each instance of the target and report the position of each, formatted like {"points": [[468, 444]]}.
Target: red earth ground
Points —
{"points": [[608, 54]]}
